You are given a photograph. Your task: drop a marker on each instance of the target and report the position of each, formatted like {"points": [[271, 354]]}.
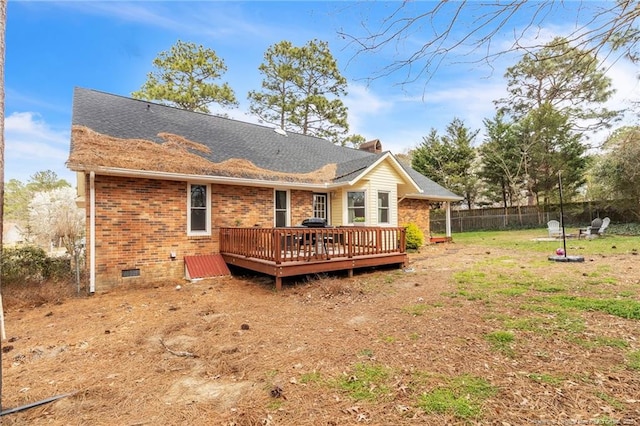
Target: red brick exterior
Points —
{"points": [[301, 206], [415, 211], [140, 222]]}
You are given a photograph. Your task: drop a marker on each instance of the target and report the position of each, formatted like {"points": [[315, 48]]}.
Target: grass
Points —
{"points": [[312, 377], [545, 378], [501, 341], [524, 240], [633, 360], [367, 382], [461, 396], [548, 324], [416, 310], [624, 308]]}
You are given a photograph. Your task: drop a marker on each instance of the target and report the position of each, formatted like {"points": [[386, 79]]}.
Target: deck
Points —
{"points": [[286, 252]]}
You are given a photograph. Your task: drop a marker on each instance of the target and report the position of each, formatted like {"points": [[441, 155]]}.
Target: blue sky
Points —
{"points": [[52, 47]]}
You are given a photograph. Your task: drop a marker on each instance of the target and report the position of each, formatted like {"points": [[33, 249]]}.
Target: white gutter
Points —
{"points": [[114, 171], [92, 231]]}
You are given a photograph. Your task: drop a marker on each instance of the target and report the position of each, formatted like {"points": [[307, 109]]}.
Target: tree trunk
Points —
{"points": [[3, 27]]}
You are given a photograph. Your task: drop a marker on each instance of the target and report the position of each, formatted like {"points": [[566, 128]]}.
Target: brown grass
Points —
{"points": [[91, 149], [279, 358]]}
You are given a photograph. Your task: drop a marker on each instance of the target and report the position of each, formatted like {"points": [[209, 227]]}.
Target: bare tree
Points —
{"points": [[470, 29]]}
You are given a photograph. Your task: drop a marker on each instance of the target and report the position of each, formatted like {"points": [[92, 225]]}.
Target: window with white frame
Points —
{"points": [[320, 206], [281, 208], [199, 213], [383, 207], [355, 207]]}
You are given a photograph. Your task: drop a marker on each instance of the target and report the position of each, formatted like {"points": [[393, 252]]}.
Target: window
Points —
{"points": [[198, 218], [355, 207], [281, 208], [383, 207], [320, 206]]}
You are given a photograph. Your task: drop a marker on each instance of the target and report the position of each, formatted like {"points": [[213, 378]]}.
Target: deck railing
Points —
{"points": [[304, 244]]}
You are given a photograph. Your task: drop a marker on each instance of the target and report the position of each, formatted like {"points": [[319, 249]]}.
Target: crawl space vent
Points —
{"points": [[130, 273]]}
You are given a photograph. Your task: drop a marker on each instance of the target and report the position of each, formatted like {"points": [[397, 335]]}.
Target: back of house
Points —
{"points": [[159, 183]]}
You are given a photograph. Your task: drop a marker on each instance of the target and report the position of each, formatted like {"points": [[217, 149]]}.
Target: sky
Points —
{"points": [[52, 47]]}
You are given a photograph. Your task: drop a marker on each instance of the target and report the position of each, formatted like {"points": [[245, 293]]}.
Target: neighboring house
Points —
{"points": [[161, 184], [12, 234]]}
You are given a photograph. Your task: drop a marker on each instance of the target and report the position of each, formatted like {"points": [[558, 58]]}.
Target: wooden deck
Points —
{"points": [[286, 252]]}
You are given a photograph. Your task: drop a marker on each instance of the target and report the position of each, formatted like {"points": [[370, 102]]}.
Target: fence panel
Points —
{"points": [[575, 214]]}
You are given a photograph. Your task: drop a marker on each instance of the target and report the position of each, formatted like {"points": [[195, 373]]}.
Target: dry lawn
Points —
{"points": [[466, 335]]}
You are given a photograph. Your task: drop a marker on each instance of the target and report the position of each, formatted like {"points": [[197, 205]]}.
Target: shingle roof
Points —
{"points": [[127, 118]]}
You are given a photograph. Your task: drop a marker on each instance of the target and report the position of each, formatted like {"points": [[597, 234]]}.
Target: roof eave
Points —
{"points": [[150, 174], [434, 197], [395, 164]]}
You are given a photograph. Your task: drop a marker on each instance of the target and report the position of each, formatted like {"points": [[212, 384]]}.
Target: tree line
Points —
{"points": [[541, 130]]}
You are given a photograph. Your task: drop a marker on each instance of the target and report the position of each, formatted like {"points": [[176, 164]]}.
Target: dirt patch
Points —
{"points": [[336, 350]]}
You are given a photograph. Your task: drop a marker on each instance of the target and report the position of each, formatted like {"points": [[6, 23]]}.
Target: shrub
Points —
{"points": [[24, 264], [414, 235]]}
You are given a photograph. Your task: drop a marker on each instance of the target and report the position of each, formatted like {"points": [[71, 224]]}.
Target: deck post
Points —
{"points": [[278, 283], [277, 240]]}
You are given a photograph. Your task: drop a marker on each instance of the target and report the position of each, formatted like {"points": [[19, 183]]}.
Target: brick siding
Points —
{"points": [[415, 211], [140, 222]]}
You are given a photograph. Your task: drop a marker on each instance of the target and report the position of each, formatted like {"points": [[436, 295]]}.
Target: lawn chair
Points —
{"points": [[605, 223], [594, 229], [554, 229]]}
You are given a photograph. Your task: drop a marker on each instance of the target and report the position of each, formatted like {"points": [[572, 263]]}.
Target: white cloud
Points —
{"points": [[29, 126], [31, 145], [363, 105]]}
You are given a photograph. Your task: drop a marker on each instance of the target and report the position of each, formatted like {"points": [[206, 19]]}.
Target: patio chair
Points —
{"points": [[554, 229], [594, 229], [605, 223]]}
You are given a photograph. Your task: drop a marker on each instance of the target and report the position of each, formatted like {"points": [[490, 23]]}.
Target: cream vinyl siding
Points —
{"points": [[335, 208], [382, 178]]}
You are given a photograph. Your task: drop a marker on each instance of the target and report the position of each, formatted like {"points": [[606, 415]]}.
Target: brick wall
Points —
{"points": [[140, 222], [301, 206], [416, 211], [242, 206]]}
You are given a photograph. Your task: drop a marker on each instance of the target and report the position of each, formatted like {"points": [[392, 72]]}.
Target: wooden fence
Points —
{"points": [[575, 214]]}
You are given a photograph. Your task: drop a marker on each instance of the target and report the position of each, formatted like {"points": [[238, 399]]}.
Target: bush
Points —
{"points": [[415, 236], [25, 264]]}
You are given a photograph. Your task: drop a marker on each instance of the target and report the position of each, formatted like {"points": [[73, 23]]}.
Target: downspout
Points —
{"points": [[92, 232], [448, 220]]}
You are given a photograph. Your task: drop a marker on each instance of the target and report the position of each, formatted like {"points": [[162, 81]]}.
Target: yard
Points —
{"points": [[485, 330]]}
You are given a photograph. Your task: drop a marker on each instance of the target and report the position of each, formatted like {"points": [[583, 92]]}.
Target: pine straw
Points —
{"points": [[308, 338], [176, 155]]}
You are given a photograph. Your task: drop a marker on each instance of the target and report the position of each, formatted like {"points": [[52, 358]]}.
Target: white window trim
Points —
{"points": [[207, 231], [346, 207], [288, 207], [326, 206], [388, 208]]}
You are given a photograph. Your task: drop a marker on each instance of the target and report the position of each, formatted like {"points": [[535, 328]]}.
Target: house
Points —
{"points": [[161, 185], [12, 234]]}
